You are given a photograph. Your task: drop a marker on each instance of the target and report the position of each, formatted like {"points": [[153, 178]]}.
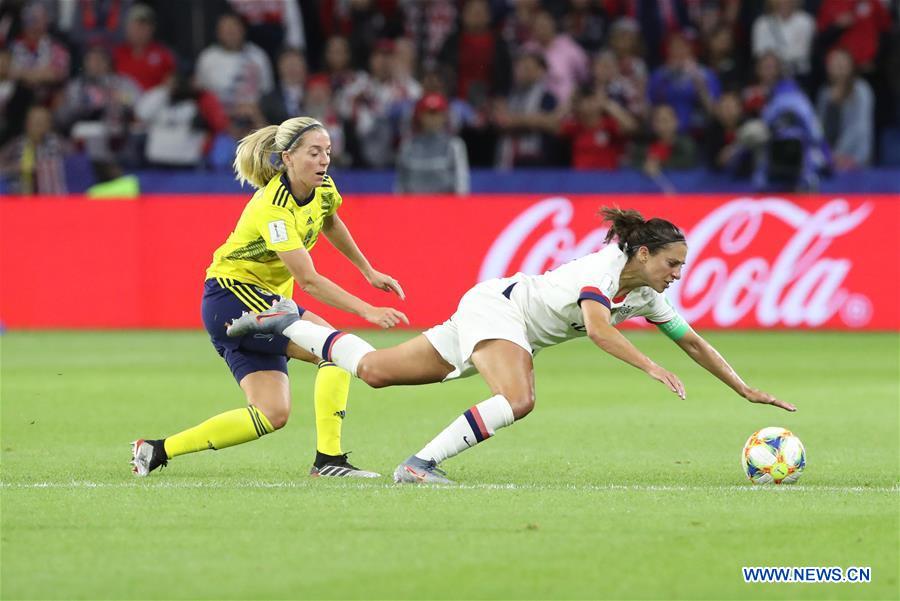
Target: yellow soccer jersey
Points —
{"points": [[273, 220]]}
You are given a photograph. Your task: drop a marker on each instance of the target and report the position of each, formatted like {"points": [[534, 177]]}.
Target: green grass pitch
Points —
{"points": [[612, 488]]}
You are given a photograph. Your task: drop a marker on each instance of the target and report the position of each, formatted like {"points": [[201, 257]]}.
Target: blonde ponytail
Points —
{"points": [[253, 161]]}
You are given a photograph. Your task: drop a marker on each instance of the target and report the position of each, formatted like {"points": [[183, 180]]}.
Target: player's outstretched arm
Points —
{"points": [[604, 335], [337, 233], [709, 358], [300, 264]]}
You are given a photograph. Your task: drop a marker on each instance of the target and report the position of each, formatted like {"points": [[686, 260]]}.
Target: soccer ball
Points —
{"points": [[773, 455]]}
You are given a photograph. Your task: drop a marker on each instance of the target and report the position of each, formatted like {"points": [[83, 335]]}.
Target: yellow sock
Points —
{"points": [[332, 388], [224, 430]]}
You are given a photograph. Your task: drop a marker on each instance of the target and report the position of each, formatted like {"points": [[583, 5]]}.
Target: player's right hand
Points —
{"points": [[668, 378], [385, 317], [755, 395]]}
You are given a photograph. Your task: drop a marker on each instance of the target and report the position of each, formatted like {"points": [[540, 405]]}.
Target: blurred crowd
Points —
{"points": [[767, 90]]}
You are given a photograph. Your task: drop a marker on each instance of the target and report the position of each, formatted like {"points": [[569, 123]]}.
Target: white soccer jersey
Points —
{"points": [[550, 303]]}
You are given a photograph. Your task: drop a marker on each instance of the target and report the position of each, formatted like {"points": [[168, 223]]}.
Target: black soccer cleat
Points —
{"points": [[147, 455], [337, 466]]}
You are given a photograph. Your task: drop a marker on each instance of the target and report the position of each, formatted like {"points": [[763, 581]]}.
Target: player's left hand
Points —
{"points": [[383, 281], [764, 398]]}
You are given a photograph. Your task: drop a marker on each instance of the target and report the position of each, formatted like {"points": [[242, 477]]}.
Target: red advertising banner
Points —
{"points": [[765, 262]]}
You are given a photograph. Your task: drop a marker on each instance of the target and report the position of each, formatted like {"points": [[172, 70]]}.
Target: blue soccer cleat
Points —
{"points": [[420, 471]]}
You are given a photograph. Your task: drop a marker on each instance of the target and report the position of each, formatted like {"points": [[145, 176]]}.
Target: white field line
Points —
{"points": [[287, 484]]}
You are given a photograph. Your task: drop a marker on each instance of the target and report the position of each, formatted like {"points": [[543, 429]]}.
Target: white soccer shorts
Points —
{"points": [[483, 314]]}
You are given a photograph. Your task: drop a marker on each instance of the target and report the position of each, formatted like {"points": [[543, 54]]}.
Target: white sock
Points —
{"points": [[343, 349], [475, 425]]}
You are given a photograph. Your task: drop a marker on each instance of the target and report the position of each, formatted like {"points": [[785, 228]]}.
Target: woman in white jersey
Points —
{"points": [[502, 323]]}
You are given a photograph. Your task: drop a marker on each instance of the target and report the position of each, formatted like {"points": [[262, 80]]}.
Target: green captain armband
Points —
{"points": [[675, 328]]}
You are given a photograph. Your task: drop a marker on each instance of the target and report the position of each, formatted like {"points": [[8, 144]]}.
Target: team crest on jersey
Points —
{"points": [[327, 201]]}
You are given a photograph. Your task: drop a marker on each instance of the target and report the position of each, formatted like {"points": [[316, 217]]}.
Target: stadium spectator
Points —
{"points": [[245, 117], [98, 107], [266, 252], [34, 162], [181, 122], [597, 130], [39, 61], [689, 88], [287, 99], [709, 17], [429, 24], [625, 43], [857, 26], [140, 57], [517, 29], [724, 151], [787, 31], [769, 72], [846, 111], [15, 98], [473, 126], [656, 20], [405, 60], [501, 324], [432, 160], [790, 147], [375, 104], [478, 61], [272, 24], [668, 149], [724, 60], [337, 64], [585, 21], [605, 76], [567, 62], [460, 114], [528, 118], [233, 68], [87, 24], [363, 23]]}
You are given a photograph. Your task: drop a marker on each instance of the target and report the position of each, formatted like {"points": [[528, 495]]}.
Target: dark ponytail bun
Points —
{"points": [[631, 231]]}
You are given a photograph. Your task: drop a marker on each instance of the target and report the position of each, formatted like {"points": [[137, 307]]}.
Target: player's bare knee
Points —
{"points": [[277, 415], [279, 419], [521, 404], [371, 374]]}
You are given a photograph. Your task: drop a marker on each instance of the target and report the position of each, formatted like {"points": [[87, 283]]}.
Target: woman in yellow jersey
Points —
{"points": [[267, 251]]}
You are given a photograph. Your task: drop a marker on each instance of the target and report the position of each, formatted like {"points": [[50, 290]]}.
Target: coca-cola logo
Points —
{"points": [[792, 284]]}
